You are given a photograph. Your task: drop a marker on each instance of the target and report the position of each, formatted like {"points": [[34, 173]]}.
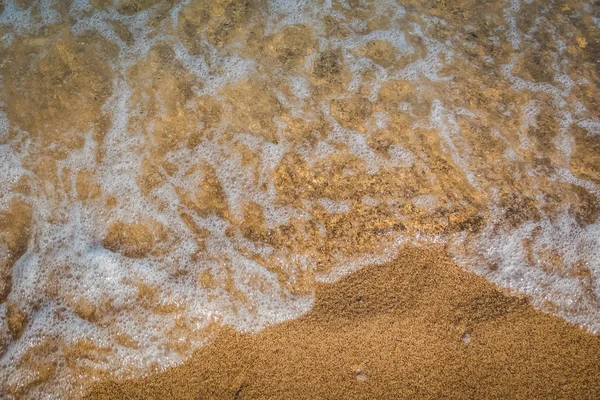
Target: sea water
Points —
{"points": [[171, 167]]}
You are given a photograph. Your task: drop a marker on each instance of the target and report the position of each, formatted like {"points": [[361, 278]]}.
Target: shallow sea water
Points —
{"points": [[171, 167]]}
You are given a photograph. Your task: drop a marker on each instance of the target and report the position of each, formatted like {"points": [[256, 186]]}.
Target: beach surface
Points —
{"points": [[416, 327], [299, 199]]}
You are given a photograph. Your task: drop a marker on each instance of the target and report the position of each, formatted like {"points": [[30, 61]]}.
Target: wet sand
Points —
{"points": [[417, 327]]}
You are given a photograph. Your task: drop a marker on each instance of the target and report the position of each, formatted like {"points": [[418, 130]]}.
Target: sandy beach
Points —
{"points": [[417, 327], [277, 199]]}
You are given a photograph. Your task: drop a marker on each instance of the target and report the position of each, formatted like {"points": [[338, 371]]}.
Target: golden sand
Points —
{"points": [[176, 177], [417, 327]]}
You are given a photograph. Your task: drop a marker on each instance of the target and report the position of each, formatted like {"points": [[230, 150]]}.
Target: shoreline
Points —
{"points": [[417, 327]]}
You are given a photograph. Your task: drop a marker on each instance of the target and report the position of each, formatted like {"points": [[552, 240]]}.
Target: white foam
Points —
{"points": [[505, 249]]}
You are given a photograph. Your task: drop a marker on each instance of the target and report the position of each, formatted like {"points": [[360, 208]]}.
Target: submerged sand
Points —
{"points": [[417, 327]]}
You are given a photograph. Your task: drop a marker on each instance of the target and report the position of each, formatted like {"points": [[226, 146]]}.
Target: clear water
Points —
{"points": [[170, 167]]}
